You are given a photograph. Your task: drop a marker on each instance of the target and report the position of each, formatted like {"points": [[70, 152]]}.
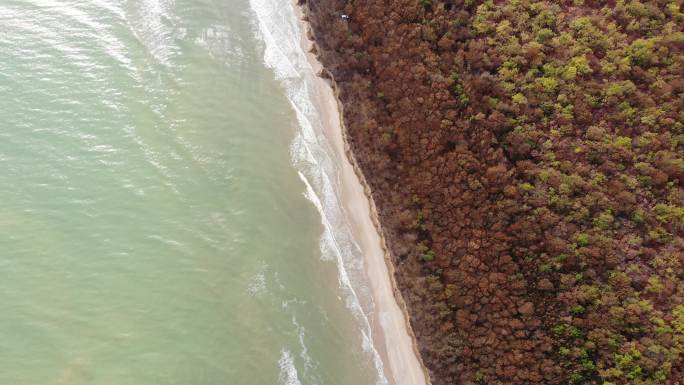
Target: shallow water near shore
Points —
{"points": [[161, 200]]}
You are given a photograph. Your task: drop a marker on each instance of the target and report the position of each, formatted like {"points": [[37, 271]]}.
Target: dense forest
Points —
{"points": [[526, 160]]}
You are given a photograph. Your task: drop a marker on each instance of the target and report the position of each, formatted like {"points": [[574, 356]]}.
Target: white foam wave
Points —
{"points": [[309, 364], [288, 372], [277, 27]]}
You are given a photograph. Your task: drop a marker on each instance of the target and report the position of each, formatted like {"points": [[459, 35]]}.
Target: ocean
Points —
{"points": [[168, 203]]}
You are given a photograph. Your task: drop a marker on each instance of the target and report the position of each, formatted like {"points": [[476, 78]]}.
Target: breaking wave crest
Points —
{"points": [[277, 27], [288, 372]]}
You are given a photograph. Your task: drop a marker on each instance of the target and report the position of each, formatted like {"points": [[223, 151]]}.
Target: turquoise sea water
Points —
{"points": [[154, 227]]}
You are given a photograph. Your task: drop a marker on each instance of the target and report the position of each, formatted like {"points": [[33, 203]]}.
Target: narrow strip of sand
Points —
{"points": [[392, 334]]}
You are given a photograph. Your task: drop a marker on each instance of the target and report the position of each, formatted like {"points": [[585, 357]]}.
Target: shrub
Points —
{"points": [[604, 221], [642, 52], [519, 99], [428, 256], [623, 142], [654, 284], [582, 239], [425, 3], [578, 309], [669, 213]]}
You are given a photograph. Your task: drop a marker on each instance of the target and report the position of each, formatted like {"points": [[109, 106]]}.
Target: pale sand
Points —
{"points": [[392, 334]]}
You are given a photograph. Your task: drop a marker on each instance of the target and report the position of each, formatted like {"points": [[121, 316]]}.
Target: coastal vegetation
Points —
{"points": [[527, 162]]}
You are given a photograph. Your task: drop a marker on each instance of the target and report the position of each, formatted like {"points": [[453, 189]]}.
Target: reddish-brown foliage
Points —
{"points": [[526, 160]]}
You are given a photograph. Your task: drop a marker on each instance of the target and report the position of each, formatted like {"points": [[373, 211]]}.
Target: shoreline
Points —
{"points": [[401, 358]]}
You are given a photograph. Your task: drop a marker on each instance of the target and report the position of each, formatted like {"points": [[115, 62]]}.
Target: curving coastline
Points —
{"points": [[394, 336]]}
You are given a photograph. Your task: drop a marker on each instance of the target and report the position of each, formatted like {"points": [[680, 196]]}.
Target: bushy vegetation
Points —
{"points": [[592, 96], [530, 179]]}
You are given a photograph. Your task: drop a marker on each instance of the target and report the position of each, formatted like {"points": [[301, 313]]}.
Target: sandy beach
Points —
{"points": [[392, 334]]}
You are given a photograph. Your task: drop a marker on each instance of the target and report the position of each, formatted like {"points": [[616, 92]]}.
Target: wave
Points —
{"points": [[309, 364], [153, 24], [277, 27], [288, 372]]}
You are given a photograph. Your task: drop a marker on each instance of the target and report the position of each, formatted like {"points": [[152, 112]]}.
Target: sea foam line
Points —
{"points": [[288, 372], [277, 27]]}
